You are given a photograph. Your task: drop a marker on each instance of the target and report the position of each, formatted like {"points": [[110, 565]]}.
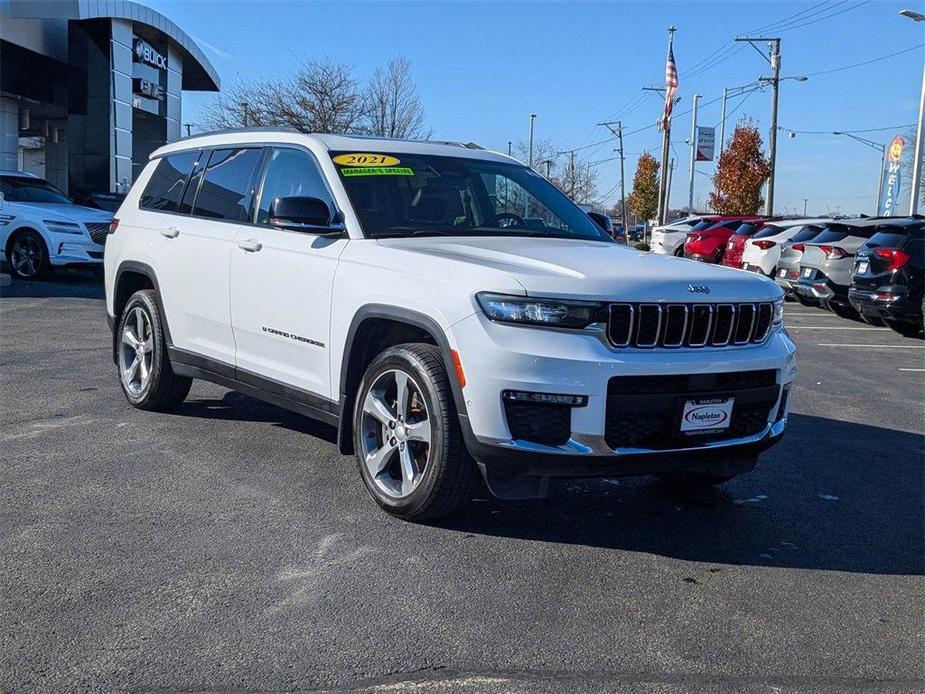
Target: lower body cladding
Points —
{"points": [[554, 403]]}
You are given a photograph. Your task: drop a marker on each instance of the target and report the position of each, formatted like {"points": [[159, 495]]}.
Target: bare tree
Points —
{"points": [[393, 106], [240, 105]]}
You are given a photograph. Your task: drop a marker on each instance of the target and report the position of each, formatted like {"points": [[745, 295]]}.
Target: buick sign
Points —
{"points": [[698, 289], [144, 53]]}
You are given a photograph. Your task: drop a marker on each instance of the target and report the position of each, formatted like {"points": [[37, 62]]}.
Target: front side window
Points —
{"points": [[290, 173], [426, 195], [31, 190], [227, 186], [166, 184]]}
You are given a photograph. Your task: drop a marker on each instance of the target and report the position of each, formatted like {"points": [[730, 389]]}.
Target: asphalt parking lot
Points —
{"points": [[228, 546]]}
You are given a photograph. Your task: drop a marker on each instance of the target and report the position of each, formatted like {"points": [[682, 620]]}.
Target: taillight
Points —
{"points": [[113, 225], [894, 256], [833, 252], [799, 247], [764, 245]]}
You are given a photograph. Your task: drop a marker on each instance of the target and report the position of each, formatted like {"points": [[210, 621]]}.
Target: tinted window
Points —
{"points": [[730, 224], [291, 172], [189, 196], [28, 189], [700, 226], [226, 189], [831, 235], [806, 234], [769, 230], [746, 229], [166, 183], [890, 239]]}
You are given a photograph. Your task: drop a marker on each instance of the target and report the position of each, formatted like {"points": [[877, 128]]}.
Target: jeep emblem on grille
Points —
{"points": [[698, 289]]}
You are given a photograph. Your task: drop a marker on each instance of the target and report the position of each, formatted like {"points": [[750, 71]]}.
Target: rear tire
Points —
{"points": [[843, 311], [407, 437], [906, 329], [872, 320], [147, 379], [28, 256], [679, 251]]}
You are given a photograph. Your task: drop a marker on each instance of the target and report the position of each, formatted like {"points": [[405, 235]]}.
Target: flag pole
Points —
{"points": [[666, 143]]}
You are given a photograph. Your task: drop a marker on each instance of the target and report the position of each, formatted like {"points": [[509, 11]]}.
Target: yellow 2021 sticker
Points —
{"points": [[366, 160]]}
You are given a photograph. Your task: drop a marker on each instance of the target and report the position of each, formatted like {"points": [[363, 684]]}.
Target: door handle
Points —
{"points": [[250, 245], [170, 232]]}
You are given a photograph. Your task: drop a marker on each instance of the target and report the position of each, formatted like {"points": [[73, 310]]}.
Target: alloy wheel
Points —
{"points": [[396, 433], [26, 256], [136, 353]]}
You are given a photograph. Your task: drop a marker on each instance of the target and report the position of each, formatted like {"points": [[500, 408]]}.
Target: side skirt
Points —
{"points": [[295, 399]]}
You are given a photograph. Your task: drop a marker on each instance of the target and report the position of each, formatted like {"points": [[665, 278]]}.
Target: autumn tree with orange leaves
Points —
{"points": [[643, 201], [742, 171]]}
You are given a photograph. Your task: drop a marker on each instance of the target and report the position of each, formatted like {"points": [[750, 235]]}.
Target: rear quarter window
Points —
{"points": [[227, 187], [165, 187]]}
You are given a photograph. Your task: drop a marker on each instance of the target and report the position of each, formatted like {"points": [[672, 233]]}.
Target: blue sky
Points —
{"points": [[481, 68]]}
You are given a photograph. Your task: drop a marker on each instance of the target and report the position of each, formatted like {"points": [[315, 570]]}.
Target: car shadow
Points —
{"points": [[832, 495], [70, 283], [234, 406]]}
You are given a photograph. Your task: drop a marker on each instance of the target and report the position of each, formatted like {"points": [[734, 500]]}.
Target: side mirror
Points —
{"points": [[304, 213], [603, 221]]}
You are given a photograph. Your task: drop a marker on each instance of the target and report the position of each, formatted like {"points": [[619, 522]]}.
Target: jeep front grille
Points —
{"points": [[98, 231], [688, 325]]}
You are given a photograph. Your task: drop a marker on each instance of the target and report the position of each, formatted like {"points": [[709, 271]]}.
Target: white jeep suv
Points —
{"points": [[446, 308], [41, 228]]}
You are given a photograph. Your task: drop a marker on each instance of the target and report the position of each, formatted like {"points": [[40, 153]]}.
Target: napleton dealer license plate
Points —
{"points": [[706, 416]]}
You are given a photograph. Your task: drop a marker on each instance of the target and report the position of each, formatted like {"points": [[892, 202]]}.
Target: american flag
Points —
{"points": [[671, 87]]}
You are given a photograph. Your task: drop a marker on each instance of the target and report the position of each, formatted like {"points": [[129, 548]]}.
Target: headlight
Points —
{"points": [[778, 312], [57, 227], [552, 313]]}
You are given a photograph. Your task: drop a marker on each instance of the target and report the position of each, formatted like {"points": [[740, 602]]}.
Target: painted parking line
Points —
{"points": [[844, 344], [912, 369], [834, 327]]}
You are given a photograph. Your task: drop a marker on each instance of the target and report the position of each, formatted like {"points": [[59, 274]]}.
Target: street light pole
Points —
{"points": [[772, 145], [690, 196], [722, 124], [920, 130], [530, 145]]}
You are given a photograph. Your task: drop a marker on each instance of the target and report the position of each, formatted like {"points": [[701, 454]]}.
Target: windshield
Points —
{"points": [[423, 195], [28, 189]]}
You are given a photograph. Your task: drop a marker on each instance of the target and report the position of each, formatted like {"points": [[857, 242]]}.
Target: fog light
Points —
{"points": [[545, 398]]}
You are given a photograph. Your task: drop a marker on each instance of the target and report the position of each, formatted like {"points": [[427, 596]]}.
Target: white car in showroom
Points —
{"points": [[448, 309], [41, 228], [668, 239], [763, 250]]}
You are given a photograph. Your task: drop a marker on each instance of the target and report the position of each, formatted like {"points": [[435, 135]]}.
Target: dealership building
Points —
{"points": [[89, 88]]}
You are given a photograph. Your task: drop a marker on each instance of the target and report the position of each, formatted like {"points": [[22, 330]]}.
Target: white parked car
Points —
{"points": [[446, 308], [41, 228], [762, 251], [668, 239]]}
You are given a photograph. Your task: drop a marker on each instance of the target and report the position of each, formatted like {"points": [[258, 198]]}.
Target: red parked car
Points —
{"points": [[708, 244], [735, 246]]}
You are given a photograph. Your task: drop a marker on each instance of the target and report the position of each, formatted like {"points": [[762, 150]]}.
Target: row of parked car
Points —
{"points": [[866, 268]]}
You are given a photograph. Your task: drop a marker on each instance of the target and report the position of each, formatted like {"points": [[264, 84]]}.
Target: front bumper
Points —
{"points": [[821, 287], [498, 357], [71, 251]]}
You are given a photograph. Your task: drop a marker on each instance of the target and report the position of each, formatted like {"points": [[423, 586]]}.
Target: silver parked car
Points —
{"points": [[828, 260], [787, 272]]}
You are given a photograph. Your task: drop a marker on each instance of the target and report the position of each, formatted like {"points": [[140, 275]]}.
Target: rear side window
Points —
{"points": [[227, 186], [165, 187]]}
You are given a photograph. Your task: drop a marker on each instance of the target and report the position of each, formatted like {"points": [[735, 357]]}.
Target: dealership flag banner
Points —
{"points": [[892, 177], [706, 141]]}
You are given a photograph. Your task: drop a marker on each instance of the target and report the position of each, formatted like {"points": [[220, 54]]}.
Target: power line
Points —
{"points": [[847, 132], [866, 62]]}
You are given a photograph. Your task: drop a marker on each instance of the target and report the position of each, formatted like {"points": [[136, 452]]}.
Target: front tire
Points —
{"points": [[28, 256], [905, 328], [407, 436], [147, 379]]}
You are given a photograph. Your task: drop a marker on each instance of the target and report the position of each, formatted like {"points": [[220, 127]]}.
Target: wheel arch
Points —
{"points": [[23, 228], [131, 277], [374, 328]]}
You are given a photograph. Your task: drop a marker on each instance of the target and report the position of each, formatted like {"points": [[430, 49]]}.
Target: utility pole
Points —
{"points": [[666, 141], [690, 196], [548, 164], [722, 125], [668, 183], [509, 143], [571, 166], [774, 80], [188, 126], [246, 108], [920, 130], [530, 142], [618, 131], [805, 200]]}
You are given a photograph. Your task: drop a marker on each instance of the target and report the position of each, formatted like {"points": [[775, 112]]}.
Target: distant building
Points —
{"points": [[89, 88]]}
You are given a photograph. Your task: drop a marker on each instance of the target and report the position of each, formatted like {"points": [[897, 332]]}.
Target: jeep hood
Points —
{"points": [[594, 270]]}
